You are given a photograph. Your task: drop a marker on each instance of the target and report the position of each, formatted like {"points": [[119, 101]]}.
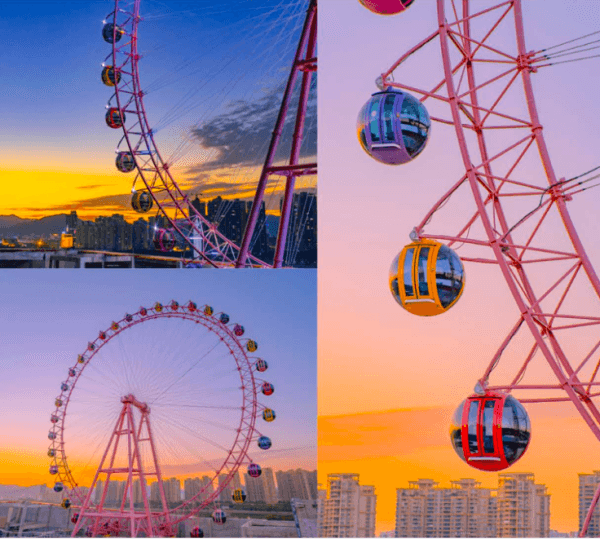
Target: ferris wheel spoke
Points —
{"points": [[211, 465], [204, 406], [195, 434], [186, 372], [203, 421], [192, 419]]}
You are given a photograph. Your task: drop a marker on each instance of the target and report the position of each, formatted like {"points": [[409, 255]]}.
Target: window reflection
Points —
{"points": [[516, 429], [473, 413], [449, 275], [374, 119], [423, 256], [415, 125], [394, 267], [456, 431], [488, 426], [388, 117], [408, 271]]}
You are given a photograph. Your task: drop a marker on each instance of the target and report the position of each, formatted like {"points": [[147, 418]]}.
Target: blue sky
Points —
{"points": [[48, 318], [213, 62]]}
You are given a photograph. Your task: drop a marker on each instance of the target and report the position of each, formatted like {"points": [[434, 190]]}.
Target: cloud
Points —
{"points": [[241, 135], [92, 186], [118, 202]]}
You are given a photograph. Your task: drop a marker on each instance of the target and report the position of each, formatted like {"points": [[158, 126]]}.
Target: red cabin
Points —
{"points": [[267, 388], [490, 432], [254, 470]]}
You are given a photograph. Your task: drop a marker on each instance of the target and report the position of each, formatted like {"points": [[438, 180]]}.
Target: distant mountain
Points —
{"points": [[10, 220], [12, 226]]}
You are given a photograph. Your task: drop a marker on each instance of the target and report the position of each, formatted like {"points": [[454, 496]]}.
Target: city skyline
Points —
{"points": [[283, 480], [516, 506], [115, 234]]}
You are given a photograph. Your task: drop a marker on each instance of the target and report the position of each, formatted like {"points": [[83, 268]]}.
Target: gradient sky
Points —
{"points": [[54, 137], [48, 318], [389, 381]]}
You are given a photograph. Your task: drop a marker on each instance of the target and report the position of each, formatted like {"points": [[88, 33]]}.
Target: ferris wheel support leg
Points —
{"points": [[86, 503], [309, 22], [143, 481], [161, 489], [295, 152], [590, 513], [131, 455]]}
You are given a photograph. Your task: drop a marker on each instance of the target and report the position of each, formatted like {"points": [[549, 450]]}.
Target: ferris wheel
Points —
{"points": [[182, 220], [519, 223], [171, 390]]}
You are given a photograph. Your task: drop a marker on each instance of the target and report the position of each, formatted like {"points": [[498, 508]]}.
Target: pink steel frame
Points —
{"points": [[162, 523], [489, 189], [154, 174], [152, 524], [305, 61]]}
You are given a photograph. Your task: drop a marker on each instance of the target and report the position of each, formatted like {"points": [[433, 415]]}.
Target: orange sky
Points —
{"points": [[25, 467], [102, 192]]}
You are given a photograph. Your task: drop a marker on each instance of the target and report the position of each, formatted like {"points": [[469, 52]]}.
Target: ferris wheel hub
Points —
{"points": [[130, 399]]}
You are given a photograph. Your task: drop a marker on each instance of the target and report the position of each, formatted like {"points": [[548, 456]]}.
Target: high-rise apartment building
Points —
{"points": [[349, 510], [226, 494], [191, 487], [302, 229], [464, 510], [115, 492], [588, 484], [98, 491], [172, 487], [255, 490], [298, 483], [523, 506], [155, 497], [206, 485], [137, 492], [268, 478], [261, 488]]}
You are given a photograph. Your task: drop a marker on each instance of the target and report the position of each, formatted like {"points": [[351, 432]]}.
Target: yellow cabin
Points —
{"points": [[239, 496], [427, 278]]}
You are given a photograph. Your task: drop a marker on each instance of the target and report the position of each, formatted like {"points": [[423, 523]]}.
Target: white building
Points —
{"points": [[464, 510], [350, 509], [523, 506]]}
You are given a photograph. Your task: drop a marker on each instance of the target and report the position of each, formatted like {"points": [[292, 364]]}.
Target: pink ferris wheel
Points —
{"points": [[155, 186], [519, 220], [171, 390]]}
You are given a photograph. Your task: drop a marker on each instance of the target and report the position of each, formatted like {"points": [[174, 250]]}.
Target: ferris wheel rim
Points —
{"points": [[245, 433], [228, 249], [526, 313], [461, 28]]}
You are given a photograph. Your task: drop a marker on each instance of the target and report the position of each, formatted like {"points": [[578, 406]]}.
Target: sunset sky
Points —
{"points": [[48, 320], [55, 141], [389, 381]]}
